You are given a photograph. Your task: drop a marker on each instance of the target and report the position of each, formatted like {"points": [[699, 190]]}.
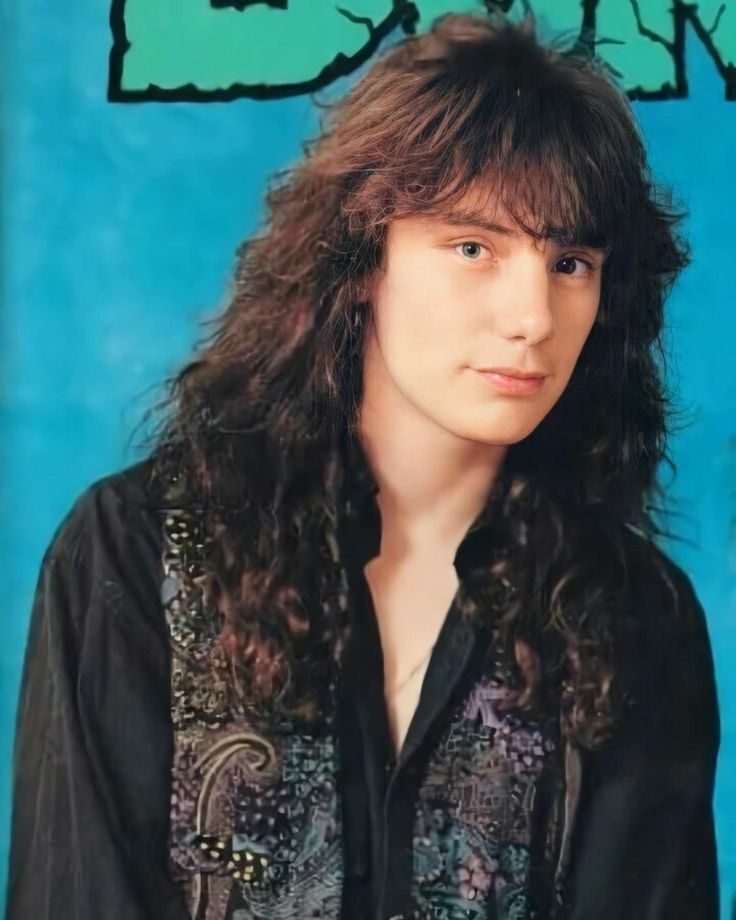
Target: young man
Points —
{"points": [[379, 628]]}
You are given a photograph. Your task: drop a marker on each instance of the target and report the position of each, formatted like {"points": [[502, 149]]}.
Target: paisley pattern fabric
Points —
{"points": [[256, 817], [472, 835]]}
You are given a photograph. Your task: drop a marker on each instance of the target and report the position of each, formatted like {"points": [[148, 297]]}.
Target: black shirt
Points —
{"points": [[139, 793], [466, 822]]}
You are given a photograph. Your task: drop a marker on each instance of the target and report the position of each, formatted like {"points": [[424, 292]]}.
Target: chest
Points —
{"points": [[410, 600], [263, 824]]}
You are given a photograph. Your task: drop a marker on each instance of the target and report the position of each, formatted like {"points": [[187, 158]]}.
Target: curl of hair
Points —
{"points": [[253, 423]]}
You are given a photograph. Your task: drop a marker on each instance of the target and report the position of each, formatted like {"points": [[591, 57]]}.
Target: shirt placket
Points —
{"points": [[391, 783]]}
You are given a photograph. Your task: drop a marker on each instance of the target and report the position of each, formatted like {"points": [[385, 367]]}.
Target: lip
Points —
{"points": [[516, 384], [511, 372]]}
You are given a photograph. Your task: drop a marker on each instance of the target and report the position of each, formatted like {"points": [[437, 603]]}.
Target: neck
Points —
{"points": [[432, 483]]}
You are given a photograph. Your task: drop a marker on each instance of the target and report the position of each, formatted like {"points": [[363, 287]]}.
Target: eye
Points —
{"points": [[590, 267], [475, 249]]}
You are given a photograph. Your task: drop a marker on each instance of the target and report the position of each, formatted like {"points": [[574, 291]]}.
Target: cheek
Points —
{"points": [[570, 341], [414, 317]]}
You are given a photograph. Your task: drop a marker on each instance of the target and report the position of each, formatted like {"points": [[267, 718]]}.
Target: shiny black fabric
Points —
{"points": [[93, 750]]}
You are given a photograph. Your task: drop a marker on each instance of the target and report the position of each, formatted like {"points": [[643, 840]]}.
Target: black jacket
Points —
{"points": [[139, 792]]}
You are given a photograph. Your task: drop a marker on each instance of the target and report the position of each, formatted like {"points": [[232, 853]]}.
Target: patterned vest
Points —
{"points": [[257, 818]]}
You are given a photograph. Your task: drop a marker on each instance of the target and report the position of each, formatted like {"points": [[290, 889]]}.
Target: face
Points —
{"points": [[458, 295]]}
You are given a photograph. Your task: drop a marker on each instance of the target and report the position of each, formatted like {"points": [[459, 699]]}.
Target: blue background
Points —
{"points": [[119, 228]]}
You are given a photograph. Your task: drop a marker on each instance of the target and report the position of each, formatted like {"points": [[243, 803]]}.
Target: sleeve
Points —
{"points": [[67, 855], [645, 844]]}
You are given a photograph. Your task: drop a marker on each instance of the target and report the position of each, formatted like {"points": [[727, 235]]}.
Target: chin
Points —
{"points": [[500, 438], [492, 435], [499, 430]]}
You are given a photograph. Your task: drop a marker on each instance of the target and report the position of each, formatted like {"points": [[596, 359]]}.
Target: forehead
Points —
{"points": [[484, 209], [478, 207]]}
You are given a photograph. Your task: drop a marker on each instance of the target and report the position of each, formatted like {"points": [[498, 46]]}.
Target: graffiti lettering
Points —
{"points": [[202, 50]]}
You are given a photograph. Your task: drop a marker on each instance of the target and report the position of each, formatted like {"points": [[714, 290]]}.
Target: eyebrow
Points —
{"points": [[561, 235]]}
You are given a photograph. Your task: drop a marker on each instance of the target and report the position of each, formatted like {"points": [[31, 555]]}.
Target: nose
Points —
{"points": [[522, 305]]}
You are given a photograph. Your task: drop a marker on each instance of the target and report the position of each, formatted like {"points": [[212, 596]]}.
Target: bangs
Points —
{"points": [[559, 166]]}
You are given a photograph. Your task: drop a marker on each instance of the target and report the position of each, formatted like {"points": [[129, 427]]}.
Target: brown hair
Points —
{"points": [[254, 422]]}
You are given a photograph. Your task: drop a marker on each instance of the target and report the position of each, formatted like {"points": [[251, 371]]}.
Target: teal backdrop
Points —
{"points": [[137, 141]]}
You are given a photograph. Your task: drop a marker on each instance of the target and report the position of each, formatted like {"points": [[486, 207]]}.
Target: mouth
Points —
{"points": [[516, 384], [512, 372]]}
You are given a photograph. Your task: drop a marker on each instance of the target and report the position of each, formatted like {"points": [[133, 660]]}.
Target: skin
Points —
{"points": [[451, 298]]}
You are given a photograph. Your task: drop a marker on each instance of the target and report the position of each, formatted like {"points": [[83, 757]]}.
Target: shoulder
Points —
{"points": [[661, 602], [672, 650], [661, 588], [109, 508], [106, 550]]}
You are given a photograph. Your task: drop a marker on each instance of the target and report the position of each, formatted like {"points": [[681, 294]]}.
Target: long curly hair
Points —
{"points": [[255, 422]]}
